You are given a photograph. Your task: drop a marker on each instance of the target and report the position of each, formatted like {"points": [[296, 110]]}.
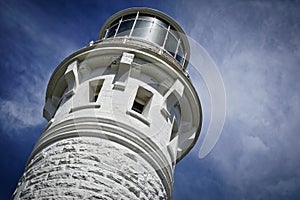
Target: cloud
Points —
{"points": [[30, 55], [257, 48], [19, 114], [255, 44]]}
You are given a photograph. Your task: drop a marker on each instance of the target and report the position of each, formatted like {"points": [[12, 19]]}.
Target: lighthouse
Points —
{"points": [[121, 113]]}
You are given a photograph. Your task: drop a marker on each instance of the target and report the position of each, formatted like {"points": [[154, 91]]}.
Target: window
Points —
{"points": [[172, 41], [142, 28], [130, 16], [141, 101], [174, 130], [125, 28], [175, 117], [138, 107], [95, 88], [173, 107], [112, 31], [179, 55], [157, 34]]}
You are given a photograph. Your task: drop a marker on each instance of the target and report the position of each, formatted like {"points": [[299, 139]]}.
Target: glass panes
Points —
{"points": [[112, 31], [157, 34], [161, 23], [130, 16], [142, 28], [151, 29], [146, 17], [179, 55], [171, 44], [117, 21], [125, 28]]}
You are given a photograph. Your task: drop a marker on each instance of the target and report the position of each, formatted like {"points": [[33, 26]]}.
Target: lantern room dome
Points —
{"points": [[150, 25]]}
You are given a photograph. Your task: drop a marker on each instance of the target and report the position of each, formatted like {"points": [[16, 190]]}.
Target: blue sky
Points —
{"points": [[256, 46]]}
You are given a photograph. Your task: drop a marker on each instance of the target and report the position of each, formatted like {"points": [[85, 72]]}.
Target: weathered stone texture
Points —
{"points": [[89, 168]]}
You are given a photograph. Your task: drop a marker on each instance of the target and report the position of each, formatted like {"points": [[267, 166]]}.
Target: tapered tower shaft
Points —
{"points": [[122, 111]]}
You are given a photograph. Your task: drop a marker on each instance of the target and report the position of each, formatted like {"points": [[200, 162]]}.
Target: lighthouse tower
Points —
{"points": [[121, 113]]}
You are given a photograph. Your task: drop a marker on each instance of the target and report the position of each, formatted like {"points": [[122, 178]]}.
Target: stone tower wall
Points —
{"points": [[89, 168]]}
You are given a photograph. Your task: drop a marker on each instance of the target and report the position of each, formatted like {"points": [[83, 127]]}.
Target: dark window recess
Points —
{"points": [[174, 130], [95, 88], [141, 100], [174, 109], [95, 97], [138, 107]]}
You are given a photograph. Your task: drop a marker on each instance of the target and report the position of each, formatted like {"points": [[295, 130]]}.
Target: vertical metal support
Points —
{"points": [[184, 59], [166, 37], [176, 51], [106, 32], [118, 26], [152, 23], [133, 26]]}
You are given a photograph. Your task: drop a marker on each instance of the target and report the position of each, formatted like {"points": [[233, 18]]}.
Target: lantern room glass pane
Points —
{"points": [[149, 28], [171, 44], [141, 29], [125, 28], [161, 23], [157, 34], [179, 55], [130, 16], [112, 31]]}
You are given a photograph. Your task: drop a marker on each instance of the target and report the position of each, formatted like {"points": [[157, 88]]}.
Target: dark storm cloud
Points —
{"points": [[257, 48]]}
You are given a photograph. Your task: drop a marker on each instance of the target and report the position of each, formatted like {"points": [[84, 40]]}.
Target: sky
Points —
{"points": [[256, 46]]}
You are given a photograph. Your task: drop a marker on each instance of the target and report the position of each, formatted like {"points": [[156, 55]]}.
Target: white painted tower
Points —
{"points": [[122, 111]]}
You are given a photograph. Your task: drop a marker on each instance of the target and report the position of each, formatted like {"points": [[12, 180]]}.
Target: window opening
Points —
{"points": [[175, 117], [95, 88], [174, 130], [137, 106], [141, 101]]}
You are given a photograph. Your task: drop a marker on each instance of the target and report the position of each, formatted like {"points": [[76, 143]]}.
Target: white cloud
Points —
{"points": [[20, 114], [262, 119], [33, 55], [257, 50]]}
